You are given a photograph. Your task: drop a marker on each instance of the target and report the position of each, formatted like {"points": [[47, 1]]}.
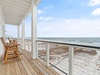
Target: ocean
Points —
{"points": [[85, 41]]}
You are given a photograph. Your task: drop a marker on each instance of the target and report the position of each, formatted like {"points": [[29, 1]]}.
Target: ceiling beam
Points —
{"points": [[37, 2], [23, 2], [12, 23], [28, 12], [8, 13], [13, 10], [28, 1], [14, 3], [12, 6]]}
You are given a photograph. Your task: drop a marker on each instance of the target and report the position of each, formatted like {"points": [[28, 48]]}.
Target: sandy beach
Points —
{"points": [[85, 61]]}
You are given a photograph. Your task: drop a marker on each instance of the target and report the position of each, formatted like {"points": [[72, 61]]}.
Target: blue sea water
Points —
{"points": [[86, 41]]}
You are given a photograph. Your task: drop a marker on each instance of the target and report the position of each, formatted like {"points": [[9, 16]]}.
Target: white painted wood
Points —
{"points": [[25, 41], [3, 31], [38, 1], [14, 10], [47, 54], [18, 34], [36, 49], [2, 28], [23, 32], [71, 53], [14, 3], [34, 30], [28, 12], [23, 2], [28, 45], [12, 6]]}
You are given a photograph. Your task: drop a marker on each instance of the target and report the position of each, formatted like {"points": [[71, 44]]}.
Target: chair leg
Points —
{"points": [[6, 56], [17, 53]]}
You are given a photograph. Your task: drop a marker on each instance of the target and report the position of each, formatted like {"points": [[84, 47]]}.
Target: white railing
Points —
{"points": [[27, 45], [73, 62], [73, 59]]}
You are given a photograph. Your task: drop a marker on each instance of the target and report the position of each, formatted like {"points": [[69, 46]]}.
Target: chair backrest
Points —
{"points": [[3, 42]]}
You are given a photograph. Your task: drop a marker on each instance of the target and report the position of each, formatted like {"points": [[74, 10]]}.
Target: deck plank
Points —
{"points": [[12, 65], [29, 65], [44, 67], [49, 68], [18, 71], [25, 66], [8, 72], [22, 69], [32, 64]]}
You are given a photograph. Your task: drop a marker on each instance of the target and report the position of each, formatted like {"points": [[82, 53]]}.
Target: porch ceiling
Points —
{"points": [[14, 10]]}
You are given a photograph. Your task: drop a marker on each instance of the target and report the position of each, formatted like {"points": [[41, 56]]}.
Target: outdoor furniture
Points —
{"points": [[14, 41], [11, 50]]}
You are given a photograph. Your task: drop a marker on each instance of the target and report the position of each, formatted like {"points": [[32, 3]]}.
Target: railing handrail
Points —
{"points": [[70, 44]]}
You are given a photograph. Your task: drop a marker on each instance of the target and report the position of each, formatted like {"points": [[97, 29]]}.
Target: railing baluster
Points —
{"points": [[36, 49], [25, 44], [71, 53], [47, 54], [28, 45]]}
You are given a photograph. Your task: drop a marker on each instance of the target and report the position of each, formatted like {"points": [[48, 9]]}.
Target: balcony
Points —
{"points": [[25, 66], [43, 57]]}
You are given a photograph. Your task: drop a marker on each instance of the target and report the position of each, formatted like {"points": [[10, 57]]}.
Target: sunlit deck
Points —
{"points": [[25, 66]]}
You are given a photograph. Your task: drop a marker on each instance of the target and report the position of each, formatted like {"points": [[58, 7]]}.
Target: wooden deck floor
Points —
{"points": [[25, 66]]}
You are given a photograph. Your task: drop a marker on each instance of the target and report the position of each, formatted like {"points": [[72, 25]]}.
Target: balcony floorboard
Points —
{"points": [[25, 66]]}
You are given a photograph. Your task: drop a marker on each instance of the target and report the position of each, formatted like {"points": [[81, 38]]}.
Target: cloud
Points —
{"points": [[73, 28], [94, 2], [67, 21], [96, 12], [40, 11], [46, 18], [49, 7], [45, 9]]}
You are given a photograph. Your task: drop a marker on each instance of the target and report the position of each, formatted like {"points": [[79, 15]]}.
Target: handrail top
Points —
{"points": [[70, 44]]}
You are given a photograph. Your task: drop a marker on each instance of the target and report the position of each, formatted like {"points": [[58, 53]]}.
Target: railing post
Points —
{"points": [[24, 44], [23, 32], [47, 54], [71, 53], [36, 49], [18, 33], [29, 45]]}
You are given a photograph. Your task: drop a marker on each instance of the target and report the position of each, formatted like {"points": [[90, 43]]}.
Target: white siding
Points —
{"points": [[0, 31], [1, 28]]}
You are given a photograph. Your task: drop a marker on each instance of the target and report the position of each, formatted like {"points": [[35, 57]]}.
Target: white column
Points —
{"points": [[18, 34], [71, 53], [34, 29], [23, 33]]}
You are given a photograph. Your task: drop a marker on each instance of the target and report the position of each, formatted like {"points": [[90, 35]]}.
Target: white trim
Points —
{"points": [[18, 33], [71, 54], [13, 3], [34, 30], [38, 1], [47, 54], [23, 33]]}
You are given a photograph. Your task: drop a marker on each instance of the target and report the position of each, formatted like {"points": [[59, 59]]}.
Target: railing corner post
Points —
{"points": [[71, 53], [47, 54]]}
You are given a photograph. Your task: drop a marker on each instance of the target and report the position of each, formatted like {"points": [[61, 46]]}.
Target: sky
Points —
{"points": [[64, 18]]}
